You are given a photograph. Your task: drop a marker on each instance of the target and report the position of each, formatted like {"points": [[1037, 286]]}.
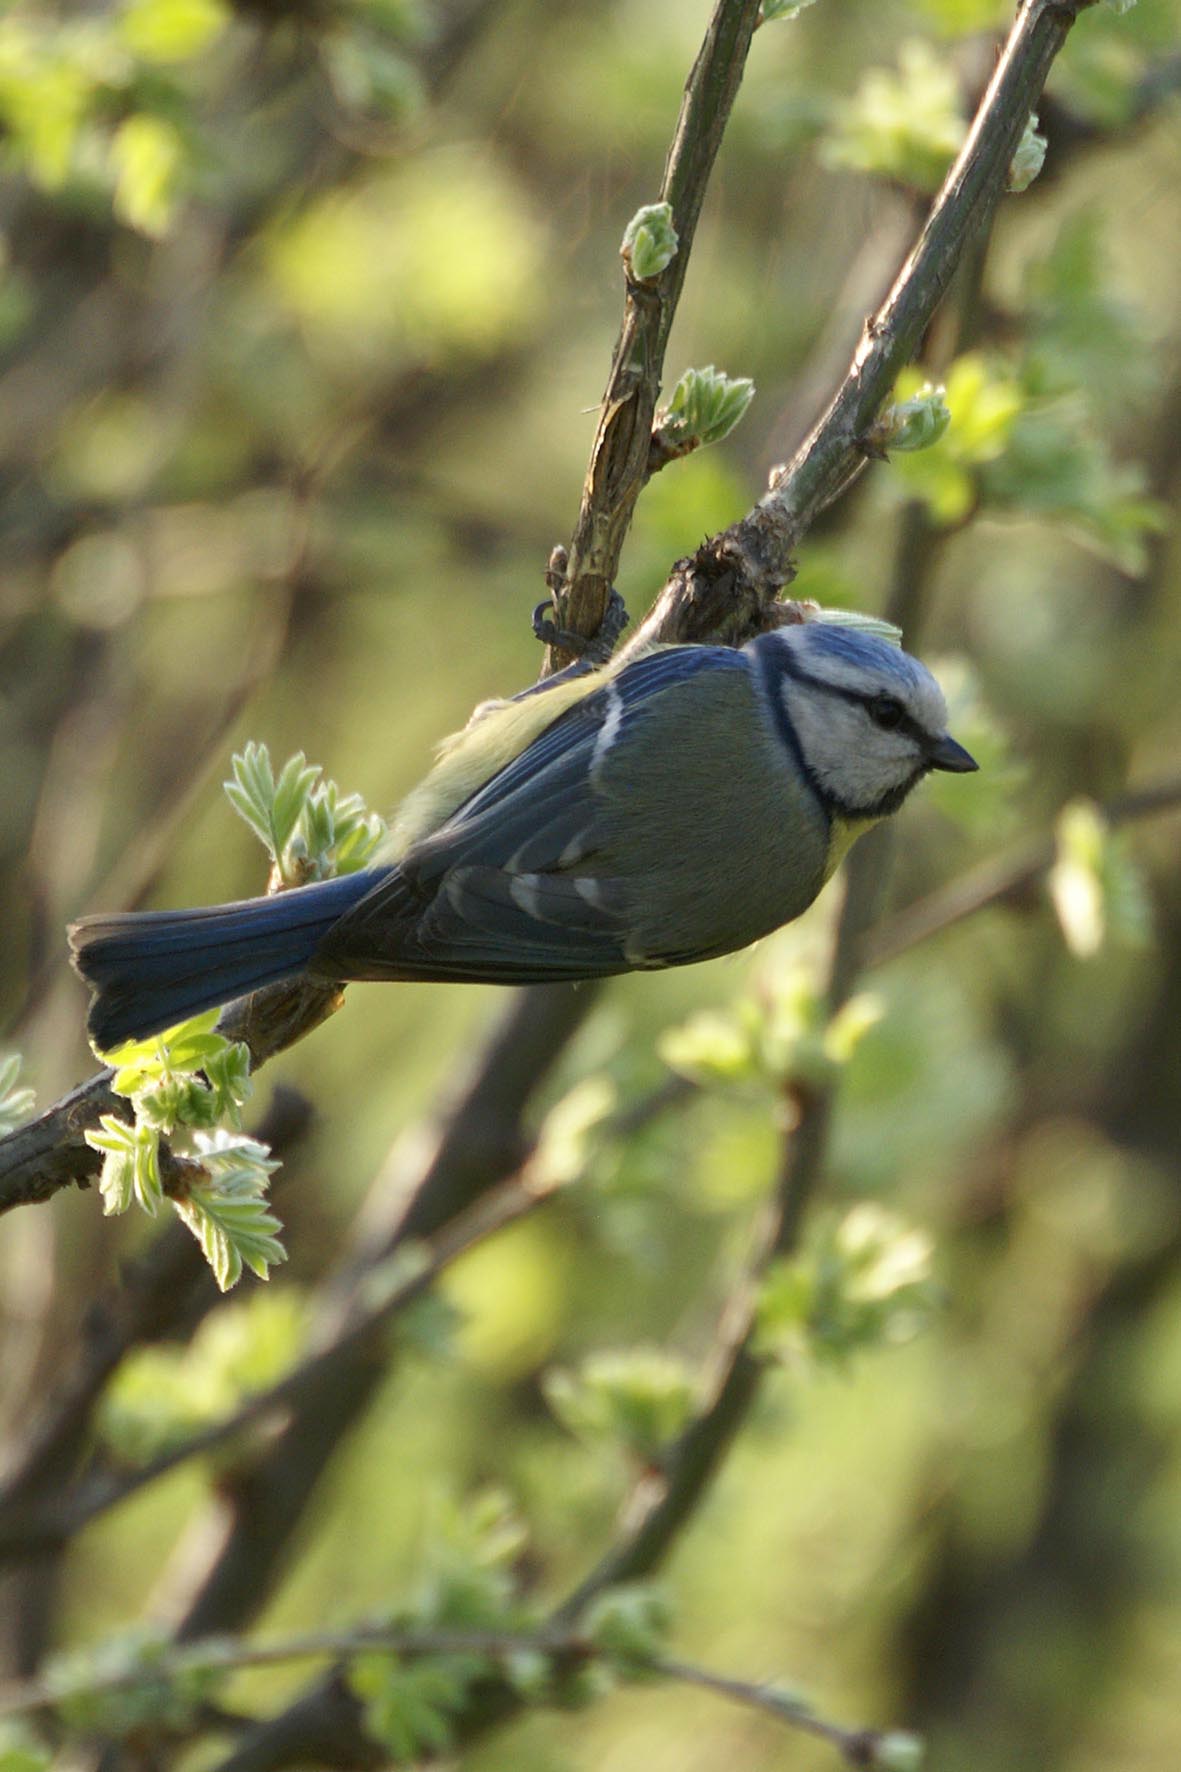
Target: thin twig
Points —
{"points": [[619, 459], [222, 1655], [860, 1747]]}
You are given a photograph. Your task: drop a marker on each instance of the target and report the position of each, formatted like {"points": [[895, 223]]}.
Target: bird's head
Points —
{"points": [[869, 720]]}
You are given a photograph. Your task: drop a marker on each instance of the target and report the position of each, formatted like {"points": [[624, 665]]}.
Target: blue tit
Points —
{"points": [[675, 806]]}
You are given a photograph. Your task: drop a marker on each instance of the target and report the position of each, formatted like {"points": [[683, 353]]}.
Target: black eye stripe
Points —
{"points": [[906, 722]]}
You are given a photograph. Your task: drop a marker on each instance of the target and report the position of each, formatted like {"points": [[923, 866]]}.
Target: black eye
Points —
{"points": [[885, 712]]}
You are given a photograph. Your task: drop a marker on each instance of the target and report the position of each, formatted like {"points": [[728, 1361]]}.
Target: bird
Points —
{"points": [[676, 805]]}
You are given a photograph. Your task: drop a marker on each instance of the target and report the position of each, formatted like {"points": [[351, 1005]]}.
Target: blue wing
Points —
{"points": [[515, 886]]}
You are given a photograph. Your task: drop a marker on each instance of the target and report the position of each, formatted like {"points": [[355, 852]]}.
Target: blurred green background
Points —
{"points": [[304, 314]]}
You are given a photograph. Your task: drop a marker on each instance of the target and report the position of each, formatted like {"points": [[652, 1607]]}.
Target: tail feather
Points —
{"points": [[150, 969]]}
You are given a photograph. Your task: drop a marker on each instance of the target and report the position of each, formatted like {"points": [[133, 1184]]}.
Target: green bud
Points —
{"points": [[567, 1133], [1076, 879], [705, 407], [711, 1047], [649, 242], [528, 1672], [907, 425], [772, 11], [1029, 158], [898, 1751], [627, 1624]]}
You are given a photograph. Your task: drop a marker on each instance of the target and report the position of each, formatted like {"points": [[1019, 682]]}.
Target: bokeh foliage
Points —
{"points": [[302, 310]]}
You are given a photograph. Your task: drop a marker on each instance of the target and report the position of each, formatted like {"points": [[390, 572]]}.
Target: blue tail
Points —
{"points": [[150, 969]]}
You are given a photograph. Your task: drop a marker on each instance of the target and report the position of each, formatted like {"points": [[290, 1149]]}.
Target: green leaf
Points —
{"points": [[1083, 333], [410, 1706], [898, 1751], [148, 1698], [161, 1396], [1094, 885], [172, 30], [131, 1165], [567, 1133], [295, 784], [368, 75], [772, 11], [984, 401], [16, 1103], [228, 1213], [251, 792], [865, 1282], [906, 425], [713, 1046], [229, 1077], [864, 624]]}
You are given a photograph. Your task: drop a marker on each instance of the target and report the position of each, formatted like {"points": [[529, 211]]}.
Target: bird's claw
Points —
{"points": [[593, 650]]}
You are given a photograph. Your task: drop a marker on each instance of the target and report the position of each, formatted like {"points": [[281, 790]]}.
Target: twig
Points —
{"points": [[860, 1747], [619, 459]]}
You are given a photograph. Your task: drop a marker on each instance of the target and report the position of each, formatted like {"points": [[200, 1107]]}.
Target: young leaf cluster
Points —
{"points": [[163, 1395], [185, 1081], [784, 1034], [109, 103], [705, 407], [639, 1399], [1028, 430], [649, 242], [469, 1582], [310, 830], [122, 1687], [905, 125], [865, 1282]]}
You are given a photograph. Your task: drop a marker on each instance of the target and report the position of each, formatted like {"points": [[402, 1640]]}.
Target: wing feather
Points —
{"points": [[514, 886]]}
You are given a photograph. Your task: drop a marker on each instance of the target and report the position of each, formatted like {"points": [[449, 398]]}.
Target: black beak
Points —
{"points": [[945, 753]]}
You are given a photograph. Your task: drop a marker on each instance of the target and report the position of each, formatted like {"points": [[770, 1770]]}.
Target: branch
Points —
{"points": [[412, 1272], [730, 585], [619, 460]]}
